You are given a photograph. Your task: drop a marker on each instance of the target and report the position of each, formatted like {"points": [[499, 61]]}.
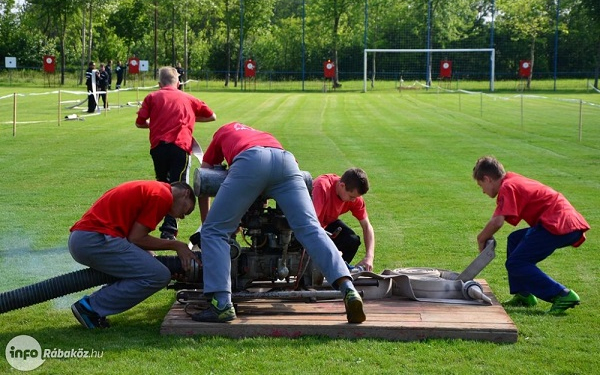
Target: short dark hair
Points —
{"points": [[488, 166], [183, 186], [356, 179]]}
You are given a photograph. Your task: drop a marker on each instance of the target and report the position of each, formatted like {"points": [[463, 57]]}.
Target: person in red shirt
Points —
{"points": [[113, 237], [553, 223], [170, 115], [333, 196], [260, 167]]}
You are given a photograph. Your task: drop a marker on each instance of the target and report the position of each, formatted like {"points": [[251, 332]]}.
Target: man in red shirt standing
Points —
{"points": [[259, 166], [333, 196], [553, 223], [113, 237], [170, 114]]}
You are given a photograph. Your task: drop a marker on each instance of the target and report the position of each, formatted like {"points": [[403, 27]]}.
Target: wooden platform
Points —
{"points": [[392, 318]]}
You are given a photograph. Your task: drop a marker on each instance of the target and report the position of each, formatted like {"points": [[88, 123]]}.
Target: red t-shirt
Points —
{"points": [[232, 139], [520, 198], [172, 115], [115, 212], [328, 204]]}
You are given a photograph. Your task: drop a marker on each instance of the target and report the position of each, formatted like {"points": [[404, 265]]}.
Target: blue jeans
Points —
{"points": [[274, 173], [141, 274], [527, 247]]}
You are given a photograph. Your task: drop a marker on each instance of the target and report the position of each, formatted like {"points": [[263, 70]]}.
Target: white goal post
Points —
{"points": [[492, 52]]}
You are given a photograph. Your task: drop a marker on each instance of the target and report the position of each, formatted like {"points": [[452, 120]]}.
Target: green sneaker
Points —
{"points": [[215, 315], [354, 307], [561, 303], [521, 300]]}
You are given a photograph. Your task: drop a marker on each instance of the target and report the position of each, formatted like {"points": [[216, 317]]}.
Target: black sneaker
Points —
{"points": [[86, 316], [215, 315]]}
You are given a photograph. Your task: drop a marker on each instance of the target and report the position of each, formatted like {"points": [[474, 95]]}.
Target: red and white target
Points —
{"points": [[49, 63], [445, 69], [329, 69], [250, 68], [524, 68], [133, 64]]}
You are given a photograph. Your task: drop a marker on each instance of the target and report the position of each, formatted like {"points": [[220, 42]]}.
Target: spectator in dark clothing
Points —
{"points": [[120, 70], [108, 69], [103, 85], [92, 77], [181, 72]]}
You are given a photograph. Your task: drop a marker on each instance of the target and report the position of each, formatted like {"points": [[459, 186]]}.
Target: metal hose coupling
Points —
{"points": [[472, 290]]}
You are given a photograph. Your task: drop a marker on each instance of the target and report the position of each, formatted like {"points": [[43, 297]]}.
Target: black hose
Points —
{"points": [[70, 283], [53, 288]]}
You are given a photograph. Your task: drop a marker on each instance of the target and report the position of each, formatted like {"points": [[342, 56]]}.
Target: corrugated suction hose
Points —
{"points": [[70, 283]]}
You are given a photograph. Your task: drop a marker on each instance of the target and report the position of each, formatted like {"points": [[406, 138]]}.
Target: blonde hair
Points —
{"points": [[168, 76]]}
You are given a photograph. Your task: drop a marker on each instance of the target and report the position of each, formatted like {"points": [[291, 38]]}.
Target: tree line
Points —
{"points": [[296, 36]]}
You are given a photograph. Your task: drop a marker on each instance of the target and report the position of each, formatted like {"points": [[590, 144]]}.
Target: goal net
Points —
{"points": [[426, 68]]}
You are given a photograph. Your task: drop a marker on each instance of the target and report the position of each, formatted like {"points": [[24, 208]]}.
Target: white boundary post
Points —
{"points": [[580, 119], [491, 50], [365, 69], [59, 115], [14, 114]]}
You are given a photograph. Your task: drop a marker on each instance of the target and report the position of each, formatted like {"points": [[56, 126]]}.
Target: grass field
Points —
{"points": [[418, 148]]}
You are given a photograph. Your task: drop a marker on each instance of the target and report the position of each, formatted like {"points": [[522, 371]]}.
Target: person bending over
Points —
{"points": [[333, 196], [553, 223], [259, 166]]}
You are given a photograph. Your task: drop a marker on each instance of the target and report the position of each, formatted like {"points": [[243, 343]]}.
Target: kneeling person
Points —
{"points": [[113, 237]]}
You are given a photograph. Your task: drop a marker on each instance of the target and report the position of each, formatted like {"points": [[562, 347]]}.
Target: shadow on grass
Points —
{"points": [[136, 330], [525, 311]]}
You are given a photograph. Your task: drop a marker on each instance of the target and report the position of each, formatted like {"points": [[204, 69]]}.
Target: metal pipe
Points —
{"points": [[207, 181], [293, 294]]}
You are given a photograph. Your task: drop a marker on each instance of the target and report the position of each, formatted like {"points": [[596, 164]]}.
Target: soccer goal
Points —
{"points": [[402, 65]]}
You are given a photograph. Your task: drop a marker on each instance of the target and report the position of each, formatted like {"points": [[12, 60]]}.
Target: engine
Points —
{"points": [[269, 255]]}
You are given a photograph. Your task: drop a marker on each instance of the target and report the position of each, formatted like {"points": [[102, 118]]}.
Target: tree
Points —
{"points": [[130, 22], [27, 44], [337, 17], [9, 23], [219, 34], [53, 18], [385, 19], [593, 6], [255, 19], [527, 20]]}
